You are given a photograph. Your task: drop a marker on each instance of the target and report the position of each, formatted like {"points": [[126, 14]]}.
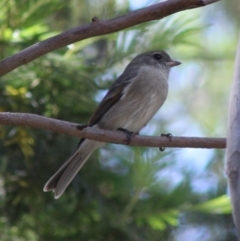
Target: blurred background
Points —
{"points": [[122, 193]]}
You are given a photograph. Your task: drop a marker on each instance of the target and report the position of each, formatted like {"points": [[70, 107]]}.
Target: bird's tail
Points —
{"points": [[65, 174]]}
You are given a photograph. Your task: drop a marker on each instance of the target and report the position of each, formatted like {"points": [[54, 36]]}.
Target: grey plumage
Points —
{"points": [[130, 103]]}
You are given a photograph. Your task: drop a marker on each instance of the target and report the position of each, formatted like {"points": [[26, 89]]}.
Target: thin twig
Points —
{"points": [[97, 28], [117, 137], [131, 204]]}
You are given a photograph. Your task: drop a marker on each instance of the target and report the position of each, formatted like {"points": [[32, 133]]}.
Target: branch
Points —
{"points": [[233, 147], [117, 137], [98, 28]]}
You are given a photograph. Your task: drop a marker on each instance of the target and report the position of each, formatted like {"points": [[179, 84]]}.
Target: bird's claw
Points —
{"points": [[81, 127], [169, 136], [128, 134]]}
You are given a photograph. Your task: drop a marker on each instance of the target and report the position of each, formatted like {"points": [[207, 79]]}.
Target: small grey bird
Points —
{"points": [[129, 105]]}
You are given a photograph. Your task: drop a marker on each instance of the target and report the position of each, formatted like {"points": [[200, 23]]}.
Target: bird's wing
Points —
{"points": [[112, 96]]}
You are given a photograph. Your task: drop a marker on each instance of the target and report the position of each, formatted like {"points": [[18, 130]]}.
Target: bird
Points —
{"points": [[130, 103]]}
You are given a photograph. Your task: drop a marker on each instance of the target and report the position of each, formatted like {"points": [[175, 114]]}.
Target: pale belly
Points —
{"points": [[137, 106]]}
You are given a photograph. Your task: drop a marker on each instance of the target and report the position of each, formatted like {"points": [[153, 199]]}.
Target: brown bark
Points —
{"points": [[68, 128], [233, 146]]}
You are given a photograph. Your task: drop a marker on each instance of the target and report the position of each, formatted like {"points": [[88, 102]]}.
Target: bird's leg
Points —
{"points": [[169, 136], [128, 134], [81, 127]]}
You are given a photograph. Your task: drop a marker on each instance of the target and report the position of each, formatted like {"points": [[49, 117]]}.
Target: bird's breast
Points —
{"points": [[141, 99]]}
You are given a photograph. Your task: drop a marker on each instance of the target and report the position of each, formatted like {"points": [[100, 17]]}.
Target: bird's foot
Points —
{"points": [[81, 127], [169, 136], [128, 134]]}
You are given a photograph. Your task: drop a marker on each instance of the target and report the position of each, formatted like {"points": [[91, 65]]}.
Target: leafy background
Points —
{"points": [[122, 193]]}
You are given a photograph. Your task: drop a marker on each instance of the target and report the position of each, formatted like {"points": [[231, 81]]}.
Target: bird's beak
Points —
{"points": [[173, 63]]}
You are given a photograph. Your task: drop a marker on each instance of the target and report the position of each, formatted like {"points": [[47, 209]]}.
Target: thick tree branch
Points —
{"points": [[97, 28], [68, 128], [233, 147]]}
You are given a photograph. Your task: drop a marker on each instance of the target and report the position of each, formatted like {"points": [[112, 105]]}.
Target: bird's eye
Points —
{"points": [[157, 56]]}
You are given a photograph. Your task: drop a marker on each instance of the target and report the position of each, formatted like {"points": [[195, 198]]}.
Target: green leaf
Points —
{"points": [[162, 220], [219, 205]]}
